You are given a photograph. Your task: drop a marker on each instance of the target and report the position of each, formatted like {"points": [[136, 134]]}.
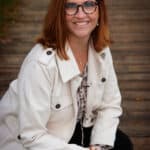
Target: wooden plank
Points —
{"points": [[141, 143], [6, 77], [135, 85], [23, 37], [129, 4], [130, 13], [16, 49], [140, 113], [137, 127], [29, 28], [118, 18], [130, 114], [133, 68], [136, 117], [127, 52], [129, 27], [133, 77], [136, 95], [8, 70], [131, 60], [131, 46], [31, 5], [139, 105], [15, 59], [32, 15], [5, 84], [130, 37]]}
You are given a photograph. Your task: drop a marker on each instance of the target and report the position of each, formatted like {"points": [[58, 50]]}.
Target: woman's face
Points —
{"points": [[81, 17]]}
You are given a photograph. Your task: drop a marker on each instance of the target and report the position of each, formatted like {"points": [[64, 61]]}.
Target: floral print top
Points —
{"points": [[82, 95], [81, 100]]}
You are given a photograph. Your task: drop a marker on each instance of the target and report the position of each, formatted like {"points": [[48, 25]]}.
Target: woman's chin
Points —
{"points": [[81, 36]]}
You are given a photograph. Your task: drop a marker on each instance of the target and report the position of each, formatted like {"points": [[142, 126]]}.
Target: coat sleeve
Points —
{"points": [[34, 85], [107, 121]]}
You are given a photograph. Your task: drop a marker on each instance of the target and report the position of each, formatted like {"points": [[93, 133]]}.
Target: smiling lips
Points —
{"points": [[81, 23]]}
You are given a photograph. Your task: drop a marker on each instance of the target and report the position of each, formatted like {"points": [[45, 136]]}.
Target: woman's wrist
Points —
{"points": [[95, 147], [99, 147]]}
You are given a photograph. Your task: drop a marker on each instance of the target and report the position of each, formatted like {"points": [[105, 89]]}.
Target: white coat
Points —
{"points": [[39, 110]]}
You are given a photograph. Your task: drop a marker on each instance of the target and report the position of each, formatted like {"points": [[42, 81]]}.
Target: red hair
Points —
{"points": [[54, 32]]}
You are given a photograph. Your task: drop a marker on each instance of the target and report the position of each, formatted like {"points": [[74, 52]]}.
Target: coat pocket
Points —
{"points": [[61, 109]]}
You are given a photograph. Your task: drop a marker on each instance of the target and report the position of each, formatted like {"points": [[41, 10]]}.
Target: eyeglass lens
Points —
{"points": [[88, 7]]}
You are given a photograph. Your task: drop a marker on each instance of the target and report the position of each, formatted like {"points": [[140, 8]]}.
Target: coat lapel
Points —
{"points": [[69, 72], [68, 69]]}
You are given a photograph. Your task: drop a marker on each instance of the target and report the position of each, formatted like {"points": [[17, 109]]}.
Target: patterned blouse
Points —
{"points": [[81, 100], [82, 95]]}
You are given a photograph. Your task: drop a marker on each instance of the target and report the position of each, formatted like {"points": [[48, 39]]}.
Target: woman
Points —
{"points": [[66, 96]]}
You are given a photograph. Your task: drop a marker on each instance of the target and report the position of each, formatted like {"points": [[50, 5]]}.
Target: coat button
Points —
{"points": [[19, 137], [103, 79], [58, 106], [48, 52], [103, 55]]}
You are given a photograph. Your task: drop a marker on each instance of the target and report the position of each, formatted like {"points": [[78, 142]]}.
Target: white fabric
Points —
{"points": [[41, 106]]}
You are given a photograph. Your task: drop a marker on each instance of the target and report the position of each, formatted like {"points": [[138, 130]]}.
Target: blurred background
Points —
{"points": [[21, 22]]}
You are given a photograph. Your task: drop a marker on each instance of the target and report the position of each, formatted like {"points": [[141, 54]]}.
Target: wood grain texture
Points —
{"points": [[129, 23]]}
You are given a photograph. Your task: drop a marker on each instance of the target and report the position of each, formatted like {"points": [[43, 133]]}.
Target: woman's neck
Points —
{"points": [[80, 45], [80, 51]]}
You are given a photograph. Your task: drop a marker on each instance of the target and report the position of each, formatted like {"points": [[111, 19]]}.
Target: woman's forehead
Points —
{"points": [[78, 1]]}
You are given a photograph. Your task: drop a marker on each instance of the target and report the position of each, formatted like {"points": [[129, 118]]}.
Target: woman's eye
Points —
{"points": [[71, 5], [89, 4]]}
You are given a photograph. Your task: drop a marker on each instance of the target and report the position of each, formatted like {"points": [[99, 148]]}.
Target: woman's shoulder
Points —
{"points": [[105, 50], [40, 54], [106, 54], [38, 61]]}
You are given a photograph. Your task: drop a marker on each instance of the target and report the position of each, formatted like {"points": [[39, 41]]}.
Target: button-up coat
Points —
{"points": [[39, 110]]}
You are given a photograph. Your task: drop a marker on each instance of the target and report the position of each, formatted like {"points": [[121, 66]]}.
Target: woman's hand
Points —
{"points": [[95, 147]]}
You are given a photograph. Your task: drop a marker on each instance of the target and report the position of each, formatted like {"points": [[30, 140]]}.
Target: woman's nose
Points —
{"points": [[80, 13]]}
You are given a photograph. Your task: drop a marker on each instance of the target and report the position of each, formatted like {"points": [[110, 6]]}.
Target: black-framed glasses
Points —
{"points": [[88, 7]]}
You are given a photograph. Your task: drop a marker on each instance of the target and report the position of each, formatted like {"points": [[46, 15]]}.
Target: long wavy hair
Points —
{"points": [[54, 33]]}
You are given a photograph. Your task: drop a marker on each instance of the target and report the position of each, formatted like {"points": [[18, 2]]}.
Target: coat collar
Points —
{"points": [[69, 69]]}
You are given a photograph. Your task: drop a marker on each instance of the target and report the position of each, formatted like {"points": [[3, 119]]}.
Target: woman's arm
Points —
{"points": [[104, 130]]}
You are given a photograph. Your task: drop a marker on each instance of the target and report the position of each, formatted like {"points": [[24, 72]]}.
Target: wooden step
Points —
{"points": [[122, 46], [141, 143], [131, 59], [135, 85], [28, 4], [129, 14], [136, 95], [133, 77], [129, 27], [133, 68], [129, 4], [130, 37]]}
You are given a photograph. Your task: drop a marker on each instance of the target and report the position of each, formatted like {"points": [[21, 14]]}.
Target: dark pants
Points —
{"points": [[122, 140]]}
